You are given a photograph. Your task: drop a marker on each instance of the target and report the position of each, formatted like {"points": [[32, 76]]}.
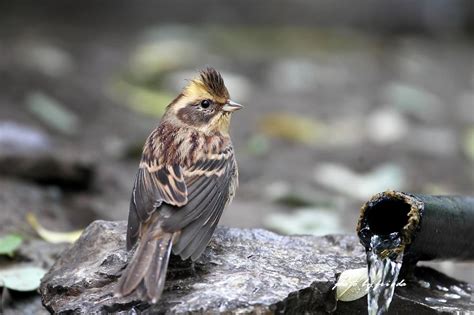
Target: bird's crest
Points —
{"points": [[209, 81]]}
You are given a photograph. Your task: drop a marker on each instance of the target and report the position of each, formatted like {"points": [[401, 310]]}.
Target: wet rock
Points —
{"points": [[426, 291], [242, 271]]}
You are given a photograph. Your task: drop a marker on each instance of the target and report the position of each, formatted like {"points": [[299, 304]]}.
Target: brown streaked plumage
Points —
{"points": [[186, 177]]}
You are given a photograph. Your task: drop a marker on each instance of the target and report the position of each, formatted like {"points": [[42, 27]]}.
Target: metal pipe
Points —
{"points": [[429, 227]]}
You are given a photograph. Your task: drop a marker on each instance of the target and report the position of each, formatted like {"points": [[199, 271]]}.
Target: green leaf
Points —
{"points": [[21, 277], [10, 243]]}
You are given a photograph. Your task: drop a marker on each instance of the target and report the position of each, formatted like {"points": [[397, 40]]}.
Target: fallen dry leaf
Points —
{"points": [[52, 236]]}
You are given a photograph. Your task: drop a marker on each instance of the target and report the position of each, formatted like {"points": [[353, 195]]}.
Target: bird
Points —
{"points": [[187, 175]]}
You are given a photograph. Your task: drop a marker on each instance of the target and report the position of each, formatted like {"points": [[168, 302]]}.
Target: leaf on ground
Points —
{"points": [[21, 277], [52, 236], [52, 113], [292, 128], [10, 243], [352, 284]]}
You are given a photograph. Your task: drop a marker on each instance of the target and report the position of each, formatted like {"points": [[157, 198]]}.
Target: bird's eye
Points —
{"points": [[205, 103]]}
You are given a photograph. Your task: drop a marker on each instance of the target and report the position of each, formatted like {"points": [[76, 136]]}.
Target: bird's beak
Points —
{"points": [[231, 106]]}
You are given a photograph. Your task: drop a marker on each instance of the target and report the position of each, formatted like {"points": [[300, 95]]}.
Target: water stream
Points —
{"points": [[384, 266]]}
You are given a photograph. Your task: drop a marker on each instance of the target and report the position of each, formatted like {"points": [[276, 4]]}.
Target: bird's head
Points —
{"points": [[204, 104]]}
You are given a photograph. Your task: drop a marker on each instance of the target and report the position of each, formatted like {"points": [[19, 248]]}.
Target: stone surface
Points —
{"points": [[242, 271]]}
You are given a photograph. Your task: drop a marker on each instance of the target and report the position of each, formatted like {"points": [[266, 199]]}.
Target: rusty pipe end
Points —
{"points": [[390, 212]]}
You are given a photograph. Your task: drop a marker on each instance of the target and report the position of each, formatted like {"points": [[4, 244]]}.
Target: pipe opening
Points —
{"points": [[388, 216]]}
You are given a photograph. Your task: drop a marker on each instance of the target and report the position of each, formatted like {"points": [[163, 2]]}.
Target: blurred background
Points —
{"points": [[341, 101]]}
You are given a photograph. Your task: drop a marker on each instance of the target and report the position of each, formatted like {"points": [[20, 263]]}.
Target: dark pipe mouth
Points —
{"points": [[390, 212], [388, 216]]}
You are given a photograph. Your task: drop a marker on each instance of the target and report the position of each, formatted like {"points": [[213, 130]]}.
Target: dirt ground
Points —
{"points": [[331, 116]]}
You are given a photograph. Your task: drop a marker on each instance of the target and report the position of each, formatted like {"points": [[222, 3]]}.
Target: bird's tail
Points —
{"points": [[146, 272]]}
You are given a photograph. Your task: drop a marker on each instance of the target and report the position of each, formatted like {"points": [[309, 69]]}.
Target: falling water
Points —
{"points": [[384, 266]]}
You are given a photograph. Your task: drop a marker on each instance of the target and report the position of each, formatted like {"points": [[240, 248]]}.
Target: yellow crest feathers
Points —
{"points": [[209, 81]]}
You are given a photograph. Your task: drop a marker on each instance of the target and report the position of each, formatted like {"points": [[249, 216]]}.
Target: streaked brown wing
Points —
{"points": [[152, 187], [211, 185]]}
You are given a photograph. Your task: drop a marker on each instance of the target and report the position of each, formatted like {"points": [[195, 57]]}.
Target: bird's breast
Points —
{"points": [[184, 146]]}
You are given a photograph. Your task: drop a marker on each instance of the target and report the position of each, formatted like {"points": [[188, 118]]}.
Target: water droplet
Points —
{"points": [[452, 296], [459, 291], [435, 300], [441, 288]]}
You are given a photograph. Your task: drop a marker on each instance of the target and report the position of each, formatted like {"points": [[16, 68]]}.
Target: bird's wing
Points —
{"points": [[153, 186], [190, 200], [211, 184]]}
